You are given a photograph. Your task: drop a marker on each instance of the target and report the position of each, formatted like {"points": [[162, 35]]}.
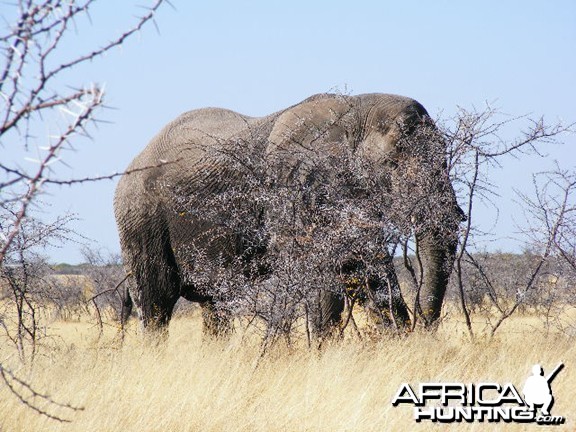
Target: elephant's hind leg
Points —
{"points": [[157, 283], [216, 321], [155, 297]]}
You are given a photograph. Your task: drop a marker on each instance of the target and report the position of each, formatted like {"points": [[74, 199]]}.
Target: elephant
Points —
{"points": [[183, 168]]}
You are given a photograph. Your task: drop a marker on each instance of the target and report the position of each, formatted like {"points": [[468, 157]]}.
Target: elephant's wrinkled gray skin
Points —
{"points": [[179, 158]]}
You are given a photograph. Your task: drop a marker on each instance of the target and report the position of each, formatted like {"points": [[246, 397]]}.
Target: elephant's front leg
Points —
{"points": [[377, 287], [328, 316], [386, 301], [381, 289]]}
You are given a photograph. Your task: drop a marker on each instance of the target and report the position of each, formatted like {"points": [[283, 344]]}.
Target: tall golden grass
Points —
{"points": [[196, 385]]}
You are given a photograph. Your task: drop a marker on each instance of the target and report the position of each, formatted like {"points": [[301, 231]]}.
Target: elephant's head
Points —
{"points": [[400, 135], [397, 145]]}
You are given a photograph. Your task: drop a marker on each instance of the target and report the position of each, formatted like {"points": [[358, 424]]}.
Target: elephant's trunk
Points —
{"points": [[437, 246], [437, 256]]}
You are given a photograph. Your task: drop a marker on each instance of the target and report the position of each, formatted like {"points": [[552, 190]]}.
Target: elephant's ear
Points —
{"points": [[379, 147], [391, 129], [311, 127]]}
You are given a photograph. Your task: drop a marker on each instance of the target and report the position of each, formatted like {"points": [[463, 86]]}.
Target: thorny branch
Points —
{"points": [[29, 396], [476, 143], [33, 67]]}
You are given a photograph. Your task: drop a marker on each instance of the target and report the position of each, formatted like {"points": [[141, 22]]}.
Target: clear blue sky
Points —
{"points": [[257, 57]]}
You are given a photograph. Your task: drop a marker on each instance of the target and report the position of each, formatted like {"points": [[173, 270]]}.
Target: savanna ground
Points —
{"points": [[197, 385]]}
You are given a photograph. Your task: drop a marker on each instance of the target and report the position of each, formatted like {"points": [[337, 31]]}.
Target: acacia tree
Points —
{"points": [[35, 89], [345, 207], [551, 217], [475, 147]]}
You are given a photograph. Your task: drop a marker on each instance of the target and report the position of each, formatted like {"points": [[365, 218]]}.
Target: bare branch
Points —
{"points": [[10, 379]]}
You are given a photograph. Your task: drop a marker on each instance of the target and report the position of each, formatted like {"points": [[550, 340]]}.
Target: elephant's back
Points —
{"points": [[191, 135], [176, 153]]}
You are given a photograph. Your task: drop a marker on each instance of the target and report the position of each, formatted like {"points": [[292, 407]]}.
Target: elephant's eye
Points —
{"points": [[390, 163]]}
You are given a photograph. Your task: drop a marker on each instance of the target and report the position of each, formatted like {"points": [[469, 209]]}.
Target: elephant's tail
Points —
{"points": [[127, 303]]}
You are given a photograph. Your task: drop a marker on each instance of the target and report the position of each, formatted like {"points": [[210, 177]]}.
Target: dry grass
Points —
{"points": [[192, 385]]}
